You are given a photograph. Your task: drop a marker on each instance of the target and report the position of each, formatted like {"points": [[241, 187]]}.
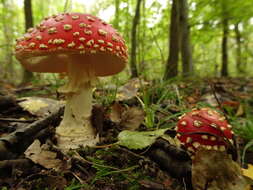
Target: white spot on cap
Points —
{"points": [[76, 34], [32, 45], [184, 123], [188, 140], [109, 49], [190, 149], [82, 25], [67, 27], [38, 38], [96, 46], [196, 144], [214, 125], [109, 44], [90, 18], [43, 46], [71, 45], [213, 138], [102, 49], [197, 123], [88, 32], [229, 126], [102, 32], [75, 17], [27, 36], [101, 41], [222, 128], [205, 137], [90, 43], [93, 51], [82, 39], [30, 30], [81, 47], [52, 30]]}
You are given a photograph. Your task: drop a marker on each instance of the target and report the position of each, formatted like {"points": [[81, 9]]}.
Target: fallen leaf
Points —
{"points": [[116, 112], [139, 140], [132, 118], [129, 118], [248, 172], [39, 106], [215, 170], [41, 155]]}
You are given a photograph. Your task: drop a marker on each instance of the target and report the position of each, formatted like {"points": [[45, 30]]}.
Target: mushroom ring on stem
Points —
{"points": [[84, 47], [204, 128]]}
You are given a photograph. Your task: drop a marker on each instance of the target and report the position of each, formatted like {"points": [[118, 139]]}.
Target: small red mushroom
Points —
{"points": [[204, 128], [84, 47]]}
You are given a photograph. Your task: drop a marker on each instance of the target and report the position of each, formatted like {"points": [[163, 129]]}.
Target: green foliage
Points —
{"points": [[75, 185], [139, 140]]}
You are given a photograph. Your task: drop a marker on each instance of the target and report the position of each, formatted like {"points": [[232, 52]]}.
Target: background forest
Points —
{"points": [[214, 37]]}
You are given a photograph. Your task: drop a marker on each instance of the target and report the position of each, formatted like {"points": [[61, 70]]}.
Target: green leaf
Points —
{"points": [[247, 146], [139, 140]]}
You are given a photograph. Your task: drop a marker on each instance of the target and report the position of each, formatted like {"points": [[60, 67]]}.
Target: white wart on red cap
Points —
{"points": [[204, 128]]}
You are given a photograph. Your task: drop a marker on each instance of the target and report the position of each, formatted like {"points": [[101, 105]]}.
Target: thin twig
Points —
{"points": [[17, 120]]}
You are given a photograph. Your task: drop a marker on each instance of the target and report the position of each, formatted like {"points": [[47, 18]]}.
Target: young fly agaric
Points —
{"points": [[204, 128], [84, 47]]}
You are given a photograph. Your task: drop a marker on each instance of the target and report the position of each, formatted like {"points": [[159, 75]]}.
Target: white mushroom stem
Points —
{"points": [[75, 129]]}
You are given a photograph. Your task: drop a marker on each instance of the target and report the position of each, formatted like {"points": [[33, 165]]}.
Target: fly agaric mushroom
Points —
{"points": [[84, 47], [204, 128]]}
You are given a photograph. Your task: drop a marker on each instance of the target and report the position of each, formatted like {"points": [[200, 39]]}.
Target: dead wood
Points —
{"points": [[6, 101], [16, 143]]}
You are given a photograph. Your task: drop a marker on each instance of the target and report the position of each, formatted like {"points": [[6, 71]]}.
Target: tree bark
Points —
{"points": [[171, 69], [8, 33], [117, 11], [28, 75], [238, 49], [186, 52], [224, 48], [133, 64]]}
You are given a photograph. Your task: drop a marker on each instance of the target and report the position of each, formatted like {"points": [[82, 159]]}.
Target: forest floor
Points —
{"points": [[30, 160]]}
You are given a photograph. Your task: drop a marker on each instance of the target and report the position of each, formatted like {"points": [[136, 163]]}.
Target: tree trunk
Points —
{"points": [[117, 12], [238, 49], [224, 48], [28, 75], [171, 69], [133, 64], [8, 33], [186, 52]]}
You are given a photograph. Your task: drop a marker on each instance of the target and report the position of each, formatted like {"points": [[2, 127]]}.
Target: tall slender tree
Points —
{"points": [[186, 52], [28, 75], [171, 69], [224, 43], [8, 33], [238, 48], [117, 12], [133, 59]]}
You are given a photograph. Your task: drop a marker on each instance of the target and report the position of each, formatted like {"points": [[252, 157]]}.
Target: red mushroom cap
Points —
{"points": [[204, 128], [81, 38]]}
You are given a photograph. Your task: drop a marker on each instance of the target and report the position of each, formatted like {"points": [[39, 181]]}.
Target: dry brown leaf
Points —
{"points": [[132, 118], [217, 171], [116, 112], [128, 118], [41, 155]]}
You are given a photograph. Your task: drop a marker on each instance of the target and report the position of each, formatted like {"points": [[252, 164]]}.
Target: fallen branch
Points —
{"points": [[16, 143]]}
